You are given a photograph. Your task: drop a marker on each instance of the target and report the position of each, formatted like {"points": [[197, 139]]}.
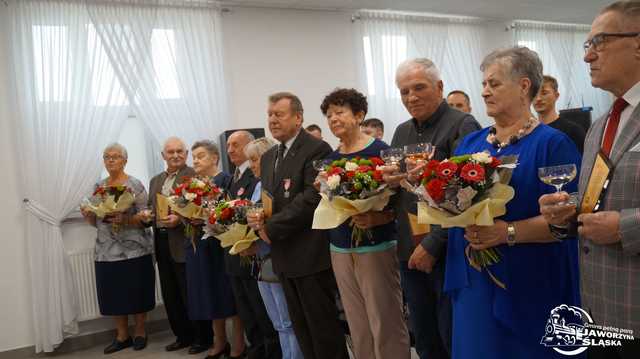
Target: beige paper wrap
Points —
{"points": [[481, 213], [109, 205], [239, 237], [332, 213], [190, 211]]}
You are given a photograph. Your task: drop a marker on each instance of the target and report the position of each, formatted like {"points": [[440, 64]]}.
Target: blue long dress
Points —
{"points": [[209, 293], [491, 322]]}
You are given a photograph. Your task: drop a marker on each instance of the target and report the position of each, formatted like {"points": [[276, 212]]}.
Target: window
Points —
{"points": [[530, 44], [394, 52], [51, 58], [104, 83], [163, 49]]}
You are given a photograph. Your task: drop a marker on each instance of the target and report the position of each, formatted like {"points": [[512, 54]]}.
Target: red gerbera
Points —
{"points": [[495, 162], [435, 188], [446, 170], [472, 172], [226, 214]]}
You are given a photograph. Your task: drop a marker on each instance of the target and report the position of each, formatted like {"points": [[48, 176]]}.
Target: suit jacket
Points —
{"points": [[241, 189], [296, 250], [611, 273], [176, 234]]}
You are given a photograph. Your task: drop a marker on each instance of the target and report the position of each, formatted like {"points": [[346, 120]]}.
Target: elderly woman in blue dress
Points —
{"points": [[538, 272], [125, 275]]}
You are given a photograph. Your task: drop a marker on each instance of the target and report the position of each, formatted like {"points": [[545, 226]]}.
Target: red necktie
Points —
{"points": [[612, 125]]}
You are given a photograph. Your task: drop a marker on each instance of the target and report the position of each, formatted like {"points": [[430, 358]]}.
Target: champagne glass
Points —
{"points": [[392, 156], [419, 151], [558, 176]]}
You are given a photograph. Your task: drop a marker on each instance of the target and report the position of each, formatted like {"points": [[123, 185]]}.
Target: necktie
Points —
{"points": [[281, 149], [612, 125], [236, 175]]}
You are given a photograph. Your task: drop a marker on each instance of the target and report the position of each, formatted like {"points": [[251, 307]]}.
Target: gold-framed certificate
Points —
{"points": [[598, 183]]}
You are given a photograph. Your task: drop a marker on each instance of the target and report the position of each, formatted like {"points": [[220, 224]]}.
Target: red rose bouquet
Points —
{"points": [[353, 186]]}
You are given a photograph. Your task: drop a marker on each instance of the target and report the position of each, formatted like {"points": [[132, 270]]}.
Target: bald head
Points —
{"points": [[174, 153], [236, 144]]}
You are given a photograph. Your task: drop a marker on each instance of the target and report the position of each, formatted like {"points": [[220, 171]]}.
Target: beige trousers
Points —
{"points": [[369, 285]]}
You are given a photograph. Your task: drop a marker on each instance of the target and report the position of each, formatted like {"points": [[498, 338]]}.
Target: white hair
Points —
{"points": [[115, 146], [427, 65], [172, 139], [259, 147]]}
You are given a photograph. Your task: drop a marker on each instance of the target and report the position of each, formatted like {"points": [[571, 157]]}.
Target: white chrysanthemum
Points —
{"points": [[351, 166], [333, 181], [190, 196], [481, 157]]}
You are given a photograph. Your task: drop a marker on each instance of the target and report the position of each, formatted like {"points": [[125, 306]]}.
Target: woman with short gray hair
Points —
{"points": [[125, 275], [501, 310]]}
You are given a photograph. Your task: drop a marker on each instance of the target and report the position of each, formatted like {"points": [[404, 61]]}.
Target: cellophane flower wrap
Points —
{"points": [[466, 190], [353, 186], [228, 223], [109, 199]]}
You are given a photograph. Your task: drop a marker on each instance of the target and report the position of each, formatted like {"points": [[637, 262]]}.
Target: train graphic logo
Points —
{"points": [[565, 330]]}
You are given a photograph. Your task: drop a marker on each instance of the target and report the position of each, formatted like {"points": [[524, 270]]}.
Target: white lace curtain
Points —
{"points": [[560, 49], [78, 69], [384, 40]]}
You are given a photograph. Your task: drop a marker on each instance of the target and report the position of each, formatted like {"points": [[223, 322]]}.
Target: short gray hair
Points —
{"points": [[115, 146], [520, 62], [250, 137], [208, 146], [427, 65], [630, 11], [259, 146]]}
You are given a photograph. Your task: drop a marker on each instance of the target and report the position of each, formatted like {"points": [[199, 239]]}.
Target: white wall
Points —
{"points": [[306, 52]]}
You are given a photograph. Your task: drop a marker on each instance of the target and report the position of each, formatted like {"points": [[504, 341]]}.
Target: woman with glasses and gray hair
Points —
{"points": [[501, 311], [125, 275], [268, 283]]}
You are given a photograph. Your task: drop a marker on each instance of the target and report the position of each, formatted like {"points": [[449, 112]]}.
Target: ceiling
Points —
{"points": [[566, 11]]}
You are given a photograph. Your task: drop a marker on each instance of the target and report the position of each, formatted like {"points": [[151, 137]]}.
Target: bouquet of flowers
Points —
{"points": [[466, 190], [353, 186], [106, 200], [190, 200], [228, 223]]}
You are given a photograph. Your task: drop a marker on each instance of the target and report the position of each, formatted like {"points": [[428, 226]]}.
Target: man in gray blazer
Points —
{"points": [[610, 238], [169, 241]]}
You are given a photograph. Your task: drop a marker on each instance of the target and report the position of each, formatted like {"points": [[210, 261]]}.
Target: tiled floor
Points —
{"points": [[154, 350]]}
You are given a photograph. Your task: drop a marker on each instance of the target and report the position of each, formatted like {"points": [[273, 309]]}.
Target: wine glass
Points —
{"points": [[320, 165], [558, 176], [255, 210], [392, 156]]}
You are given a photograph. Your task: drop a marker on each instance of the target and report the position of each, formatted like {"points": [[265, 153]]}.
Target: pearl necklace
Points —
{"points": [[493, 140]]}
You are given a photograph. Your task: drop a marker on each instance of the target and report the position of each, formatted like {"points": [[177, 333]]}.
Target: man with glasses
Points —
{"points": [[610, 237]]}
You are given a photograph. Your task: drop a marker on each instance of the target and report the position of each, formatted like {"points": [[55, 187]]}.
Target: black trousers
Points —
{"points": [[628, 350], [312, 308], [173, 283], [257, 324]]}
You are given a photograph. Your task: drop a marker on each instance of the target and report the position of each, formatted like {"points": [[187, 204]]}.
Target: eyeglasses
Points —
{"points": [[598, 40], [111, 158]]}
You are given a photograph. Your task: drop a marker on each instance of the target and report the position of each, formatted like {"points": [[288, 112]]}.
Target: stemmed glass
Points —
{"points": [[392, 156], [320, 165], [255, 211], [419, 151], [557, 176]]}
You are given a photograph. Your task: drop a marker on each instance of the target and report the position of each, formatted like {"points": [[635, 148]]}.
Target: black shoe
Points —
{"points": [[198, 348], [242, 355], [223, 354], [139, 343], [176, 346], [117, 345]]}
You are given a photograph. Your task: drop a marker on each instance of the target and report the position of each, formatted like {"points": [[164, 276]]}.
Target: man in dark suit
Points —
{"points": [[251, 309], [169, 250], [300, 255]]}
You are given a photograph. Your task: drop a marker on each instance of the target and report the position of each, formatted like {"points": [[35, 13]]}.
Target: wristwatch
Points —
{"points": [[511, 234]]}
